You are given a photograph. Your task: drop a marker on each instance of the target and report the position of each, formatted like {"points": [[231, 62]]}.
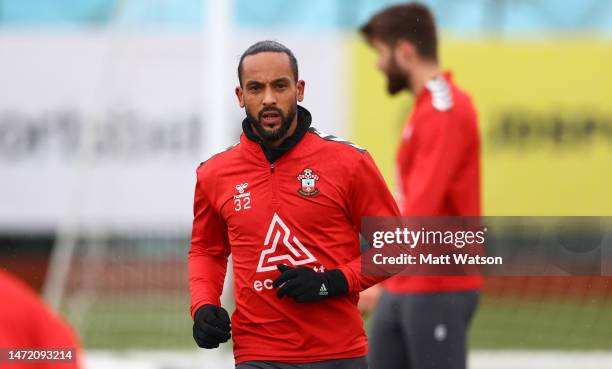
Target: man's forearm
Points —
{"points": [[206, 277]]}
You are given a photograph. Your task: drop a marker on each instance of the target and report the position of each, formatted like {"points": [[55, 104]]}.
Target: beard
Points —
{"points": [[278, 133], [396, 79]]}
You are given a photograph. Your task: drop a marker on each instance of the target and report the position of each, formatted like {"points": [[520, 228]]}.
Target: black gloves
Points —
{"points": [[211, 326], [304, 284]]}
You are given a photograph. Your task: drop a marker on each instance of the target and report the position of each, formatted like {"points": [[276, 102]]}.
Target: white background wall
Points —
{"points": [[107, 128]]}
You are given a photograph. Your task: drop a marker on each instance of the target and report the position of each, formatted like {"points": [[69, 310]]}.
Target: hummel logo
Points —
{"points": [[242, 200], [323, 290], [241, 187], [295, 252]]}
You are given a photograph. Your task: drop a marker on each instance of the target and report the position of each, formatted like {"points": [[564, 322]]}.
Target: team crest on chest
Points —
{"points": [[308, 181]]}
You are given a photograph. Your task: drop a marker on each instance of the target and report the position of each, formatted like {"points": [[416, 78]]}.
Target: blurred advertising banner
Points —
{"points": [[107, 128], [492, 246], [544, 115]]}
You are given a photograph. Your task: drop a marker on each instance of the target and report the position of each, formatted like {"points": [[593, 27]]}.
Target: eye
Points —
{"points": [[254, 88], [281, 86]]}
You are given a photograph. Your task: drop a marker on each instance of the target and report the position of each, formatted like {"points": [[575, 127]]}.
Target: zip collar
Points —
{"points": [[304, 119]]}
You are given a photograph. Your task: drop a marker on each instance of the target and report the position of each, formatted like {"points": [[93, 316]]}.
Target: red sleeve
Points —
{"points": [[208, 252], [27, 322], [438, 155], [368, 196]]}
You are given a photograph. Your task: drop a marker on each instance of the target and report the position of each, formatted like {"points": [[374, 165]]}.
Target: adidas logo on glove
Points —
{"points": [[323, 290]]}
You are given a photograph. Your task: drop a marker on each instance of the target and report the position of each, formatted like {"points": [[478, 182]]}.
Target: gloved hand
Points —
{"points": [[304, 284], [211, 326]]}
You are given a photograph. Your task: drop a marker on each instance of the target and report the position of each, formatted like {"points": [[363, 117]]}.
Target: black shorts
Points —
{"points": [[421, 331]]}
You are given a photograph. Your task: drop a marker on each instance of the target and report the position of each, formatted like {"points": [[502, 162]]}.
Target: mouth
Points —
{"points": [[270, 118]]}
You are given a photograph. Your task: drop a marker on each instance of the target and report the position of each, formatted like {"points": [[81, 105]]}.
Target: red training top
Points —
{"points": [[305, 209], [438, 170], [26, 322]]}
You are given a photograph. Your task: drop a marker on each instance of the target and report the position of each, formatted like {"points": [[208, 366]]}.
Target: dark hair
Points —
{"points": [[269, 46], [413, 22]]}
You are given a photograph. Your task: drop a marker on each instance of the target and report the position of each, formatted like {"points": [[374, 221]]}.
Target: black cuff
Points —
{"points": [[338, 285]]}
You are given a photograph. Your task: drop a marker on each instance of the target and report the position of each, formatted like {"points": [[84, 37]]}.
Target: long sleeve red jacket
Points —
{"points": [[305, 209], [438, 170]]}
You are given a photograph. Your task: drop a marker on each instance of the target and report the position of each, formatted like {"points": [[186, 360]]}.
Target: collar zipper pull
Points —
{"points": [[271, 167]]}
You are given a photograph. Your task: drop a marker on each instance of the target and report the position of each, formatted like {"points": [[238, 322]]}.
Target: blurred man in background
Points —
{"points": [[421, 322], [285, 199], [27, 323]]}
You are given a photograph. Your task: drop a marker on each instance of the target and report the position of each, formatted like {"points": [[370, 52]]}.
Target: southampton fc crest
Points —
{"points": [[308, 179]]}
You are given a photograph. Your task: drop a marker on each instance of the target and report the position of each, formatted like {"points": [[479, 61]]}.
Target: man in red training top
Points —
{"points": [[26, 323], [421, 322], [287, 203]]}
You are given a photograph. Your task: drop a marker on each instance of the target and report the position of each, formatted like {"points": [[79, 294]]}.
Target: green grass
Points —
{"points": [[124, 322], [531, 323], [163, 322]]}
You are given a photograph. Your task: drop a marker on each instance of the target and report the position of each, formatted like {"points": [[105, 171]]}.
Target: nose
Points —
{"points": [[269, 97]]}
